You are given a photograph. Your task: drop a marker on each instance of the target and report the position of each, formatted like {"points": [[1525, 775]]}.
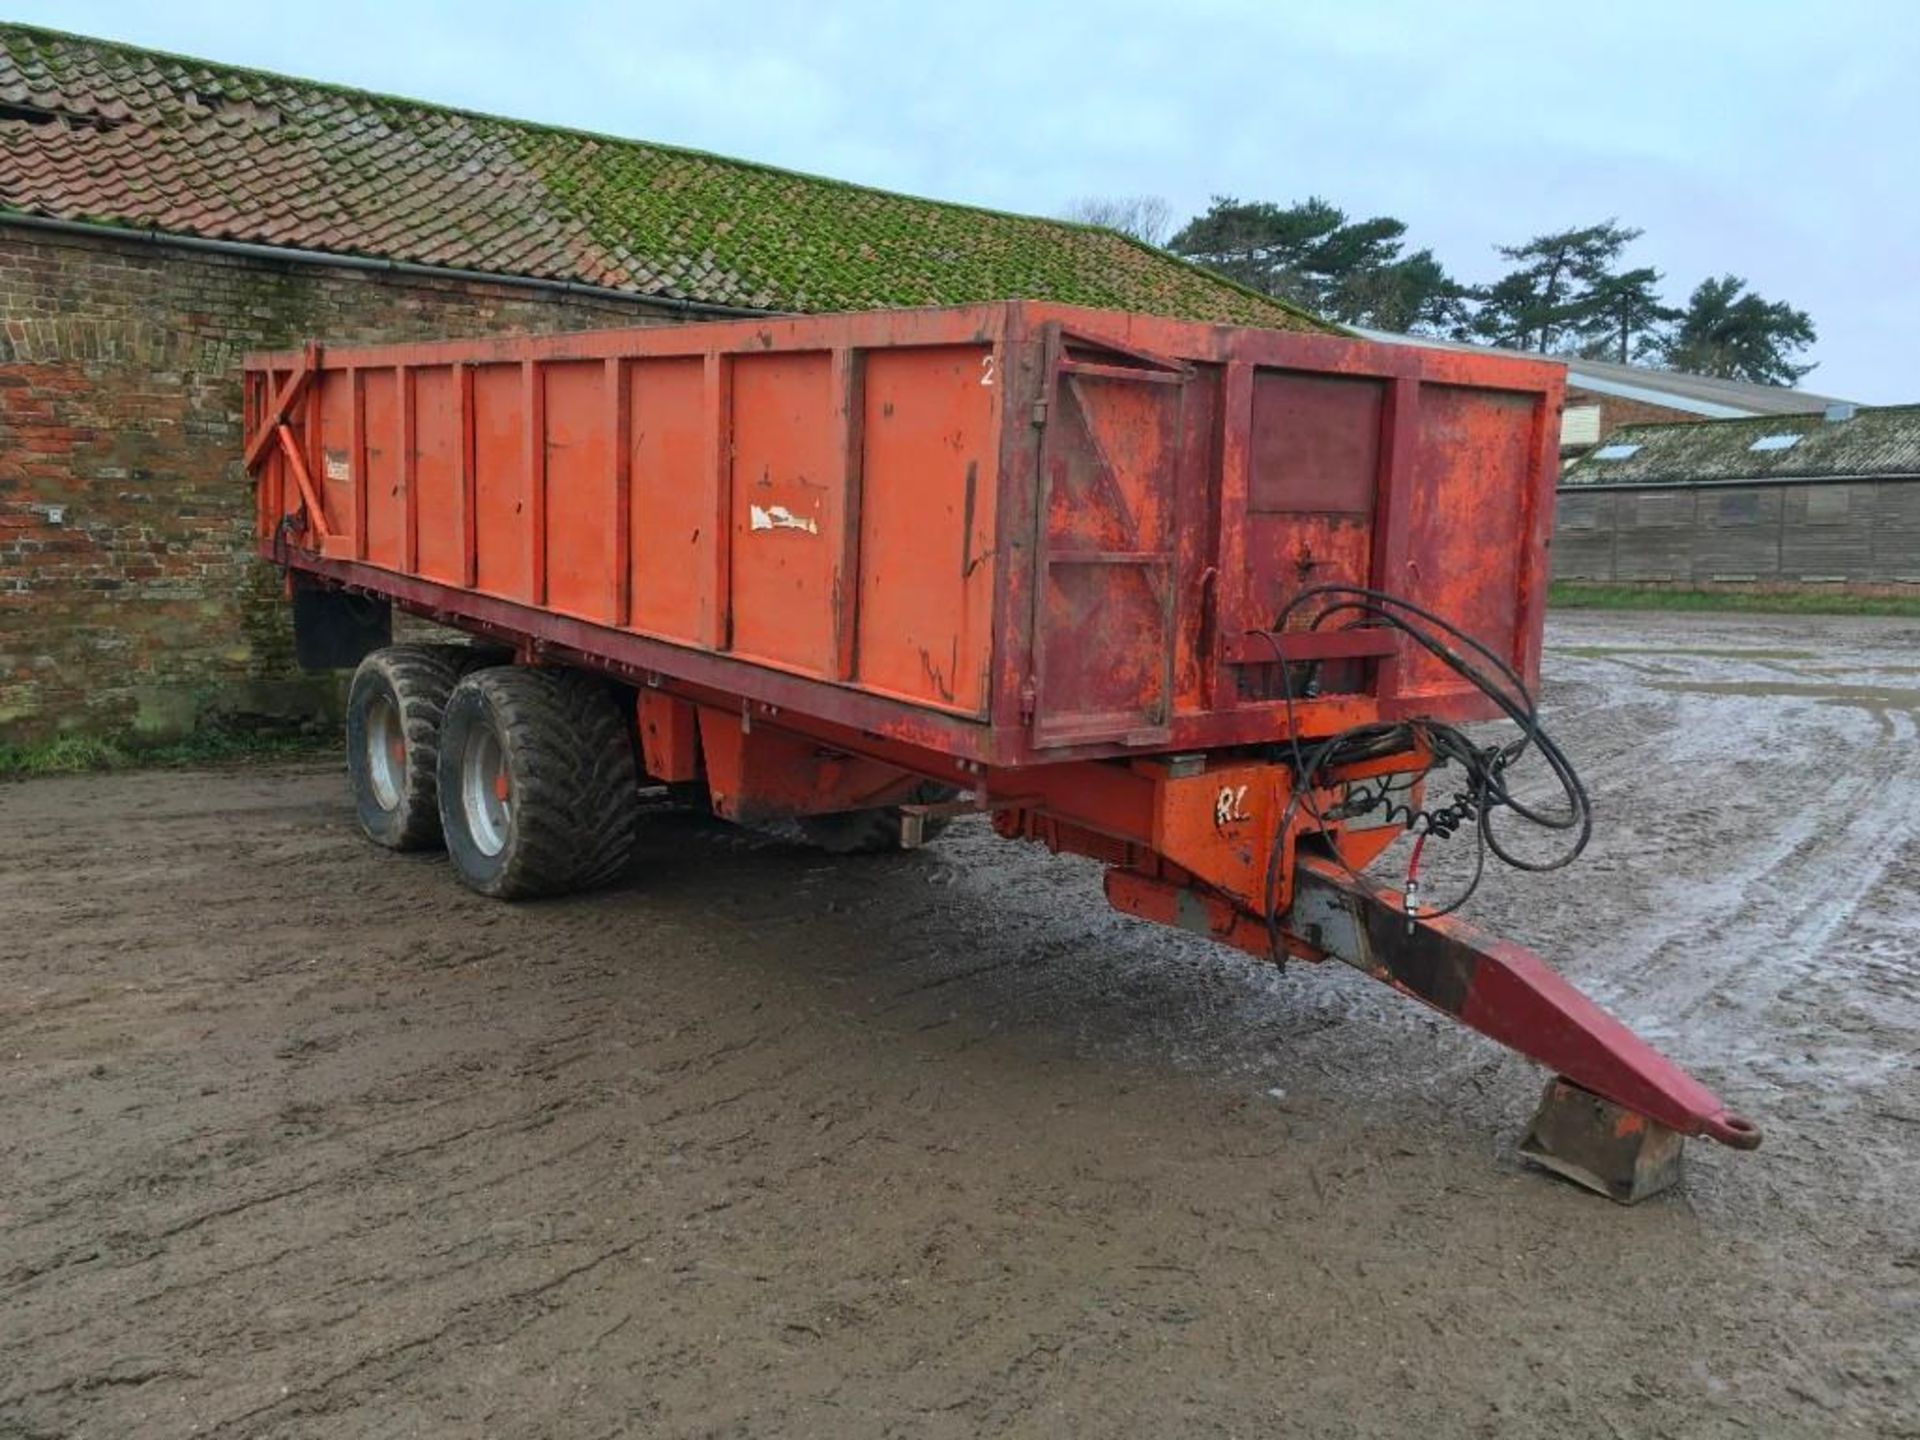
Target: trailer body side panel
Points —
{"points": [[1023, 533]]}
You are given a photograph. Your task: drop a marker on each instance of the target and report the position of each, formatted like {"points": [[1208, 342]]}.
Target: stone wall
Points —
{"points": [[130, 600]]}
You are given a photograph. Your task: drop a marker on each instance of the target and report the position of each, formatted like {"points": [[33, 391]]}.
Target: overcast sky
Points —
{"points": [[1777, 141]]}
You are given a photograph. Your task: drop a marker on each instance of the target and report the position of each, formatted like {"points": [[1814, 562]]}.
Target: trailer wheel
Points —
{"points": [[539, 792], [394, 710], [869, 832]]}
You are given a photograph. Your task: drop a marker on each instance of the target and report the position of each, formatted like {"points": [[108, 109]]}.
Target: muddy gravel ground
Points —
{"points": [[298, 1138]]}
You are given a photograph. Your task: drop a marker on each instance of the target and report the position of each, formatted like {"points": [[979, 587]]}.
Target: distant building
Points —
{"points": [[1603, 396], [1827, 499]]}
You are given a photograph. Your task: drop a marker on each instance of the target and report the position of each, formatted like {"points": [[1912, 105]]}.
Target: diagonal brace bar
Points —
{"points": [[316, 515], [296, 384]]}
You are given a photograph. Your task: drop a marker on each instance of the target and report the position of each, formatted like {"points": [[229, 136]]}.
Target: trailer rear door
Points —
{"points": [[1104, 627]]}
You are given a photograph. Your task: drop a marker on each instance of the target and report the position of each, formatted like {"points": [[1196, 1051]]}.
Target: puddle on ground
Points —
{"points": [[1861, 697], [1873, 665], [1603, 652]]}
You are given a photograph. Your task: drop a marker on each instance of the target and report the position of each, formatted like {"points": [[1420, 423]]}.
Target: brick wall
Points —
{"points": [[130, 601], [1616, 411]]}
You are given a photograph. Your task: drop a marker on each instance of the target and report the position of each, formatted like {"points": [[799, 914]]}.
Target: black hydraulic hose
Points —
{"points": [[1485, 766]]}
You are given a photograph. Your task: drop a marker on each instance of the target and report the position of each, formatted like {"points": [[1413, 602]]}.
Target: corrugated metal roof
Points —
{"points": [[1697, 394], [106, 133], [1709, 389], [1879, 442]]}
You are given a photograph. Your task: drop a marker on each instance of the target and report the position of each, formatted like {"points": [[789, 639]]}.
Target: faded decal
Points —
{"points": [[778, 517], [337, 465]]}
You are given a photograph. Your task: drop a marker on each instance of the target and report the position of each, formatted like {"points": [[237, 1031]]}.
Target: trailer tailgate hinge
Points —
{"points": [[1040, 412]]}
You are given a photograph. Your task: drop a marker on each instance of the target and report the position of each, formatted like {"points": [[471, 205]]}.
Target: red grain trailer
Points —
{"points": [[1205, 604]]}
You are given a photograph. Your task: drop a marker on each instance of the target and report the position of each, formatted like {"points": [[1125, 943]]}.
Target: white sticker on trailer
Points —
{"points": [[778, 517]]}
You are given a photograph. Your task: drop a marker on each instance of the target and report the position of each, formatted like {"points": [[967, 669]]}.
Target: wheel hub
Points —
{"points": [[386, 752], [485, 791]]}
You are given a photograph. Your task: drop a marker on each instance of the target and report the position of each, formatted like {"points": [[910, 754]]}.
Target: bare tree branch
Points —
{"points": [[1144, 217]]}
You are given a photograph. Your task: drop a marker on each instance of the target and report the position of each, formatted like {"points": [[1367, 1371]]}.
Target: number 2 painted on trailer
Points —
{"points": [[986, 369]]}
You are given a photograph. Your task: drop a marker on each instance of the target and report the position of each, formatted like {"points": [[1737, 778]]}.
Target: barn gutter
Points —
{"points": [[286, 254]]}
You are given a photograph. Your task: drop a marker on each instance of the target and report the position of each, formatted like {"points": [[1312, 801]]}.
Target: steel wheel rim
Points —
{"points": [[386, 752], [484, 791]]}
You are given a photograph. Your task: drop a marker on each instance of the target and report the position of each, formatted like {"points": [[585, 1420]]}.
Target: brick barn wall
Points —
{"points": [[130, 602], [1616, 411]]}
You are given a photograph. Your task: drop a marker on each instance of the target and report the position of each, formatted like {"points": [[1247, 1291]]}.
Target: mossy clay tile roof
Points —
{"points": [[1882, 441], [102, 132]]}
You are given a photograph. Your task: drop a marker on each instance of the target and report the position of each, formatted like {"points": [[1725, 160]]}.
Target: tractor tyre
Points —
{"points": [[539, 790], [395, 707]]}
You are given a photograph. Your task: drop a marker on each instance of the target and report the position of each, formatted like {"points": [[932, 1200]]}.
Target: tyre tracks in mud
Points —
{"points": [[300, 1140], [1786, 851]]}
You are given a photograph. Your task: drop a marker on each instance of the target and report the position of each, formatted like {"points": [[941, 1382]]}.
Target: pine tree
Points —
{"points": [[1727, 330], [1556, 291]]}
